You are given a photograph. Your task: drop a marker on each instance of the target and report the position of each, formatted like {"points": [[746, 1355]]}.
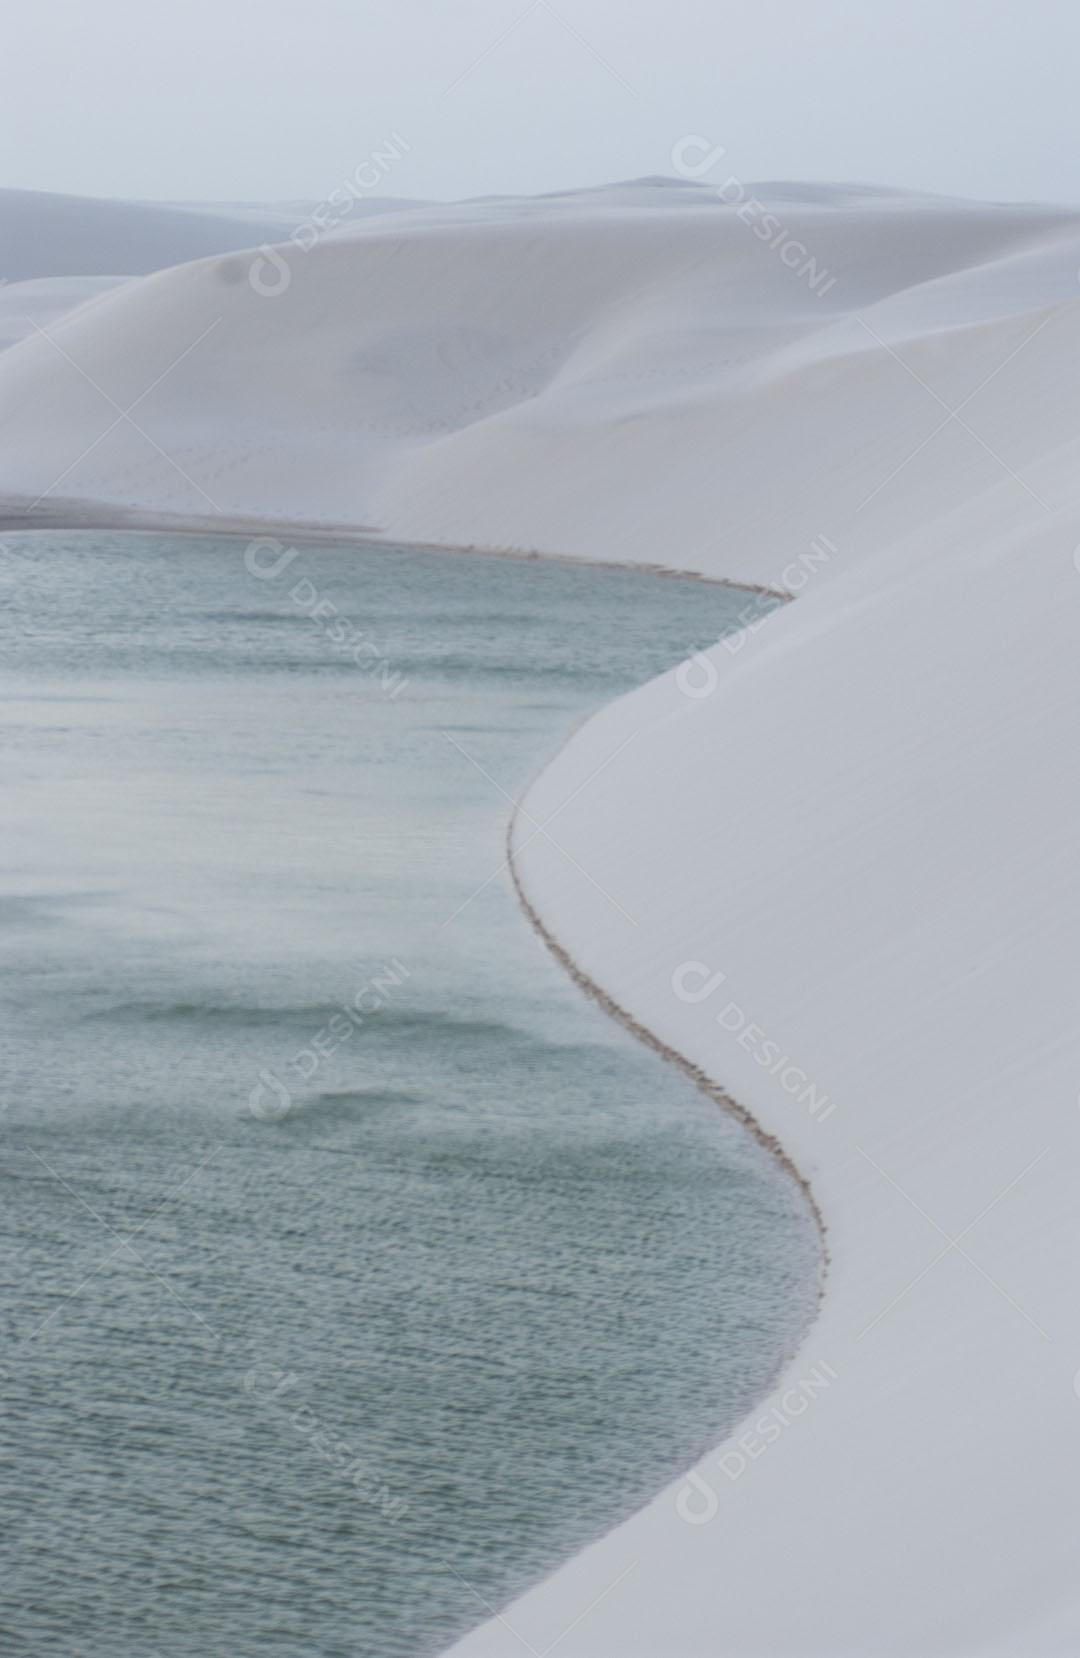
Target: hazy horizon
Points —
{"points": [[520, 99], [303, 203]]}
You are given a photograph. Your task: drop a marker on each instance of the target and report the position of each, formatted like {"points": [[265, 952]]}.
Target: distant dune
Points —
{"points": [[50, 235], [629, 374]]}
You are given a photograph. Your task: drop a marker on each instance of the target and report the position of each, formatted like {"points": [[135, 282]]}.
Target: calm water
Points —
{"points": [[321, 1325]]}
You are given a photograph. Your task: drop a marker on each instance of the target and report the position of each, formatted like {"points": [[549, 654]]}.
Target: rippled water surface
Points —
{"points": [[354, 1270]]}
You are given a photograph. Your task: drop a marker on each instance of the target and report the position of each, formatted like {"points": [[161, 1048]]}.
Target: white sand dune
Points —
{"points": [[862, 813], [605, 374], [869, 826]]}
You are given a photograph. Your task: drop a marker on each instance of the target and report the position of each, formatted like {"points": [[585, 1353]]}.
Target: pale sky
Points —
{"points": [[282, 99]]}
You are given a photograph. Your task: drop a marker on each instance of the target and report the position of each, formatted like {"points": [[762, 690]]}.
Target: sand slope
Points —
{"points": [[869, 826], [605, 374], [863, 816]]}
